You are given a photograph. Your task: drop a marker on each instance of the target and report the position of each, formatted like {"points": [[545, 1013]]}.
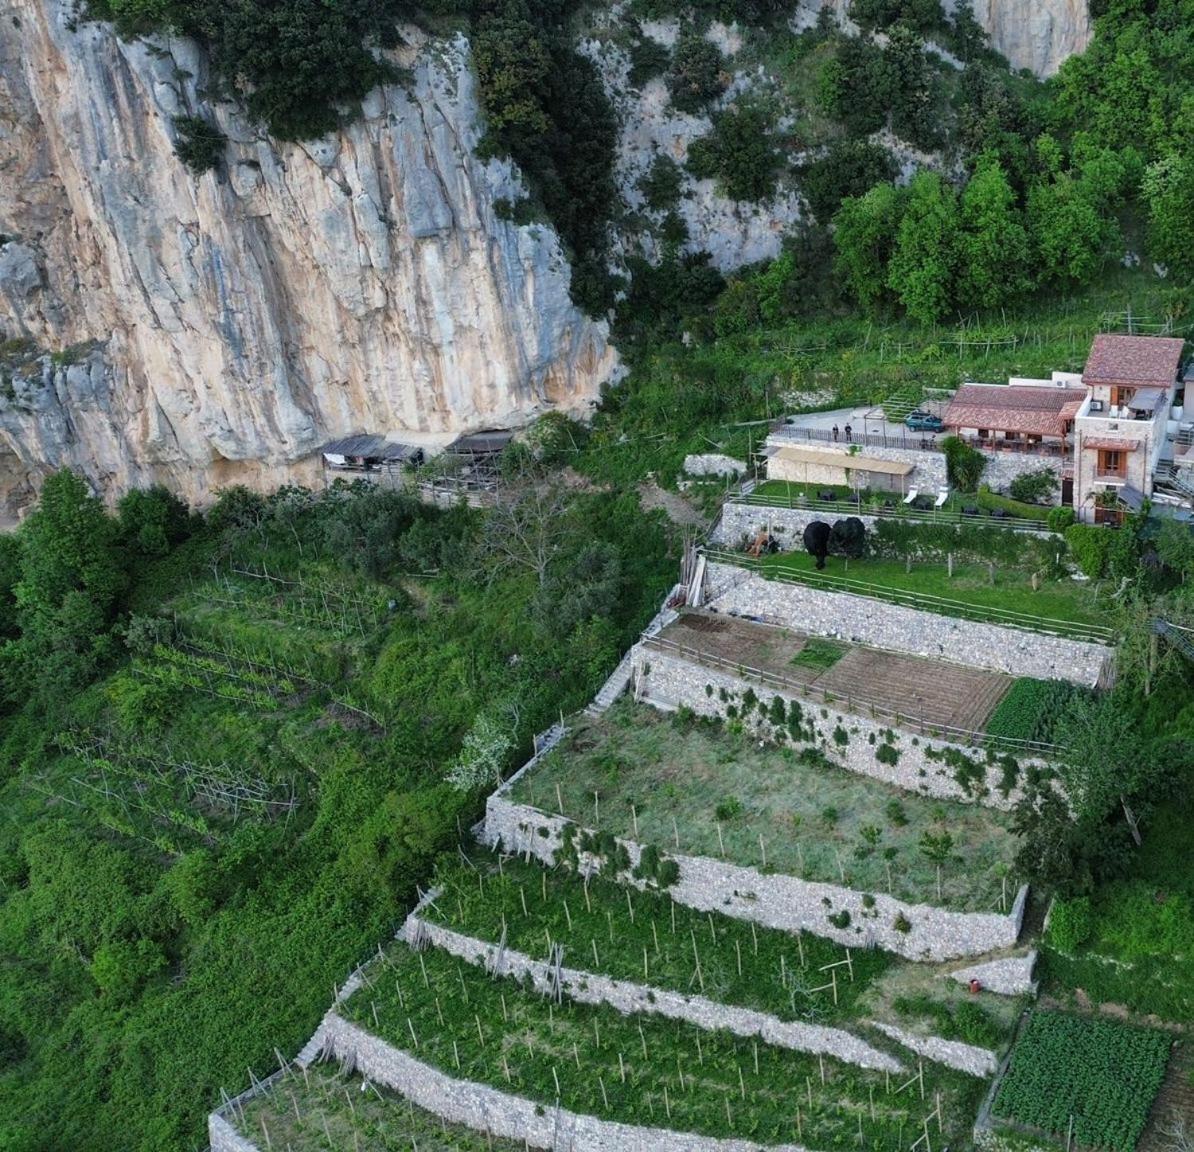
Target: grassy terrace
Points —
{"points": [[788, 494], [715, 789], [642, 1070], [1065, 600], [739, 964], [321, 1111]]}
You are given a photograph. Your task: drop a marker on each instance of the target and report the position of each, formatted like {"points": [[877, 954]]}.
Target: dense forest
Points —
{"points": [[219, 788]]}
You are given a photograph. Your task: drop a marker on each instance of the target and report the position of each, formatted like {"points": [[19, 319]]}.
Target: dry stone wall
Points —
{"points": [[222, 1137], [630, 998], [775, 900], [669, 682], [502, 1114], [952, 1053], [788, 524], [861, 620], [1009, 976]]}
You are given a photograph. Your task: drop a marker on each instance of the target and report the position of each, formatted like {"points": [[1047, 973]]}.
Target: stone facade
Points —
{"points": [[630, 998], [861, 620], [775, 900], [968, 1058], [668, 682]]}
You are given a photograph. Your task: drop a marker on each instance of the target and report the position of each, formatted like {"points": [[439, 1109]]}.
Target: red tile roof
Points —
{"points": [[1009, 408], [1133, 360]]}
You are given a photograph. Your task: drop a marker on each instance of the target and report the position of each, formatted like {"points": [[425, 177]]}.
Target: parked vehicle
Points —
{"points": [[920, 421]]}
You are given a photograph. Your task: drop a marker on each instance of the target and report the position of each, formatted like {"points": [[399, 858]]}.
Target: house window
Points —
{"points": [[1112, 462]]}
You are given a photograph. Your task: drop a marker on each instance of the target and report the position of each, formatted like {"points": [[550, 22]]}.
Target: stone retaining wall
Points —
{"points": [[222, 1137], [776, 900], [630, 998], [967, 1058], [668, 681], [502, 1114], [1009, 976], [861, 620], [787, 524], [929, 470], [713, 464]]}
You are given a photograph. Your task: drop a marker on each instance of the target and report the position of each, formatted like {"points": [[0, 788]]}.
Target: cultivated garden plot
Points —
{"points": [[971, 586], [1089, 1081], [648, 938], [321, 1110], [643, 1070], [699, 789], [926, 690]]}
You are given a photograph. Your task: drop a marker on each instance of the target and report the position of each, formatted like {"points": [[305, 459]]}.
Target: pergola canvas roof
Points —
{"points": [[842, 460]]}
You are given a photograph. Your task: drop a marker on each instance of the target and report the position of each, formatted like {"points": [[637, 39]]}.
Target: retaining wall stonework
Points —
{"points": [[630, 998], [502, 1114], [929, 474], [669, 682], [967, 1058], [861, 620], [776, 900], [713, 464], [1010, 976], [222, 1137], [787, 524]]}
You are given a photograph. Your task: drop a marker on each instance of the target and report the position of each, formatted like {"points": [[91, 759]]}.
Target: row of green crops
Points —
{"points": [[1092, 1079], [1031, 709], [644, 1070], [649, 938]]}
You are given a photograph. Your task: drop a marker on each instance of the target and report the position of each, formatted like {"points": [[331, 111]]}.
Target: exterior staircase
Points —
{"points": [[614, 686], [1176, 480]]}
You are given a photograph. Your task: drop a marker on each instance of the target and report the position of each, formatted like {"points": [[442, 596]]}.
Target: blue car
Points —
{"points": [[920, 421]]}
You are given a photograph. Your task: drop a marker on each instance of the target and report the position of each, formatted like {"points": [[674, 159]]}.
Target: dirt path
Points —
{"points": [[679, 510]]}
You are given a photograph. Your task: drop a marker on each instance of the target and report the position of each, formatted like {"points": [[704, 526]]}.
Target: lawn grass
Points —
{"points": [[639, 1070], [740, 964], [1094, 1078], [714, 788], [321, 1110], [818, 653], [797, 493], [1063, 600]]}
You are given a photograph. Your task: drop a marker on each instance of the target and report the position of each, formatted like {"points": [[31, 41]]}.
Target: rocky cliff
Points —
{"points": [[218, 329], [1034, 34]]}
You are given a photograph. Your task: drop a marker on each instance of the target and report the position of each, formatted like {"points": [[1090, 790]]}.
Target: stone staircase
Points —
{"points": [[614, 686]]}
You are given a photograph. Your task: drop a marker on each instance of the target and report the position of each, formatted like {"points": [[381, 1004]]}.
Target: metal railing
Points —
{"points": [[899, 511], [857, 703], [939, 605], [917, 441]]}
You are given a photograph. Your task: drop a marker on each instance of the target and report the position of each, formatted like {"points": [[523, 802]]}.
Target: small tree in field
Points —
{"points": [[482, 757], [938, 848]]}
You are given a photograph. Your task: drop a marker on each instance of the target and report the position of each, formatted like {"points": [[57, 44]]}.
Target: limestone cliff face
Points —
{"points": [[222, 327], [1035, 34]]}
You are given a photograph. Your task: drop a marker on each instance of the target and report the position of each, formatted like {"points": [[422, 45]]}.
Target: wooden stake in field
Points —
{"points": [[567, 915], [596, 961], [523, 897], [720, 842], [763, 849], [754, 936], [621, 1068], [604, 1095], [559, 800], [588, 906], [675, 834], [741, 1083], [596, 810], [643, 1038], [646, 975], [630, 905], [800, 949], [634, 820]]}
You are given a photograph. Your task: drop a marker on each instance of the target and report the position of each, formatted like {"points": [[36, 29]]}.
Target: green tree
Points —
{"points": [[864, 237], [914, 92], [512, 65], [1168, 188], [72, 572], [854, 87], [993, 265], [848, 168], [695, 76], [963, 464], [152, 520], [922, 268], [739, 153], [1069, 234]]}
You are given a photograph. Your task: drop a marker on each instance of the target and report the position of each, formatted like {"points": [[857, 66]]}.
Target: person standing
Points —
{"points": [[835, 433], [849, 433]]}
